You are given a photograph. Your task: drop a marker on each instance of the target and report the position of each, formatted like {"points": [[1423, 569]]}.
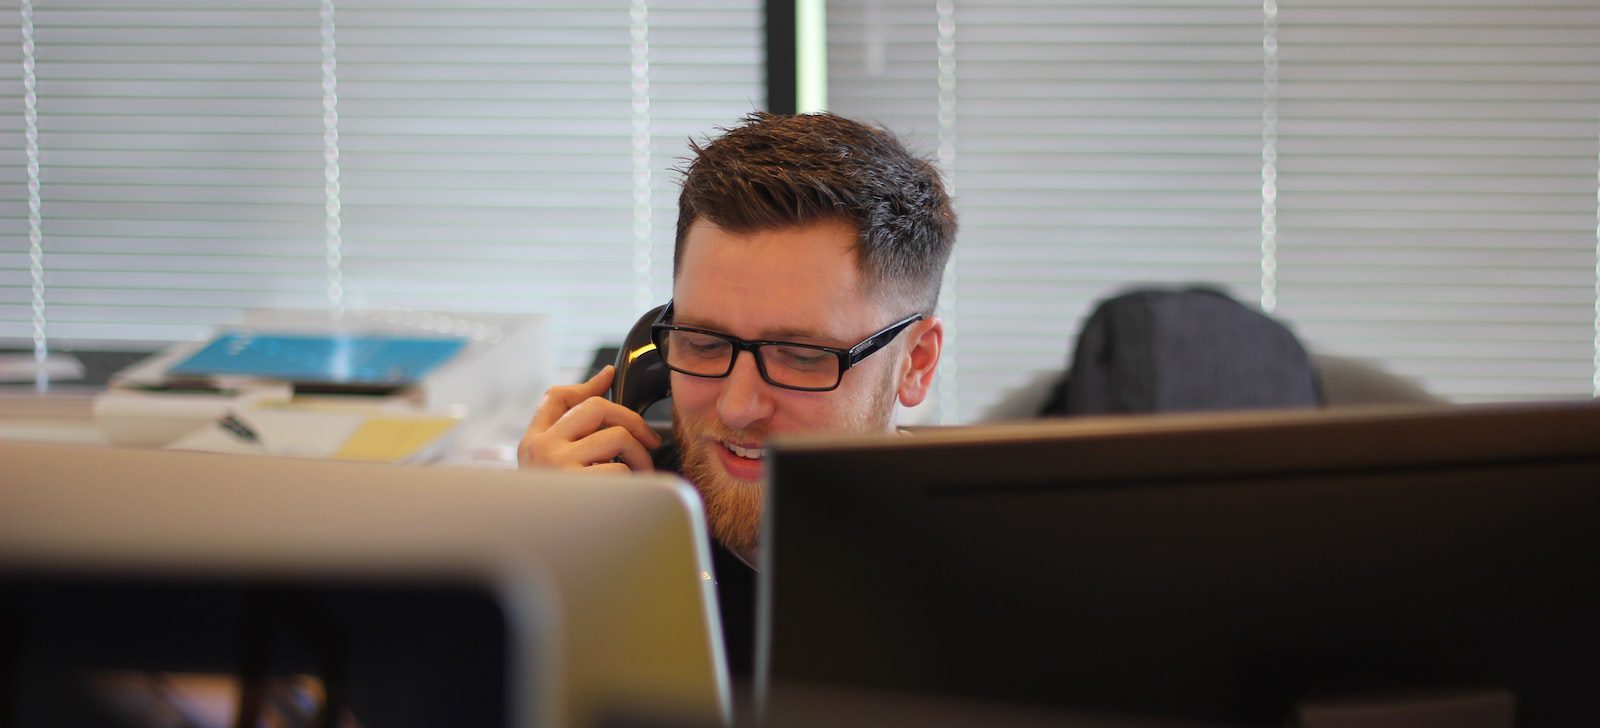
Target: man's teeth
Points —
{"points": [[744, 452]]}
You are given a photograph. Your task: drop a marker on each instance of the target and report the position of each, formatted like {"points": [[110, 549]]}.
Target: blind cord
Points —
{"points": [[1269, 156], [947, 383], [30, 115], [639, 51], [333, 222]]}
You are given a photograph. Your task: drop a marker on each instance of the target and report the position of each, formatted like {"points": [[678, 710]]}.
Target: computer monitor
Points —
{"points": [[1242, 569], [136, 585]]}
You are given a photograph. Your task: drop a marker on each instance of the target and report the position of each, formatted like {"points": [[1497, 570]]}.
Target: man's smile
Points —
{"points": [[751, 452], [740, 462]]}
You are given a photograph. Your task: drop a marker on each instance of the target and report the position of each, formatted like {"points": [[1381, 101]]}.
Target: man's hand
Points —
{"points": [[577, 428]]}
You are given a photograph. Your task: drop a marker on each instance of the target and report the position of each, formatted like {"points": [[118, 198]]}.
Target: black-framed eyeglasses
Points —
{"points": [[786, 364]]}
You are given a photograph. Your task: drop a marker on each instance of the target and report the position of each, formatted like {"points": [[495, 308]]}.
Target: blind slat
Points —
{"points": [[485, 158], [1436, 167]]}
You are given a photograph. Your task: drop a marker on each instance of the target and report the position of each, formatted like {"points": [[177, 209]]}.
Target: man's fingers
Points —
{"points": [[601, 381], [608, 468], [612, 442], [558, 400], [595, 414], [577, 428], [597, 449], [591, 431]]}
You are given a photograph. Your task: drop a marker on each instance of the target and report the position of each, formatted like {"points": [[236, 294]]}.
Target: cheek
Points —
{"points": [[693, 394], [866, 393], [792, 411], [802, 412]]}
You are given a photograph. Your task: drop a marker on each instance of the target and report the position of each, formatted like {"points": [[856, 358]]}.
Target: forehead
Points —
{"points": [[791, 280]]}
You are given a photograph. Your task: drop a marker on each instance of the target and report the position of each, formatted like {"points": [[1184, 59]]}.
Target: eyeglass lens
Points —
{"points": [[788, 366]]}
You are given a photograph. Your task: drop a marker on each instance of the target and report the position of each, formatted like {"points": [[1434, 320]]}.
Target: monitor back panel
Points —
{"points": [[1213, 568]]}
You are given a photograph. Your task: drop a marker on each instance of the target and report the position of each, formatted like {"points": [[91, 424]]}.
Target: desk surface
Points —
{"points": [[66, 416]]}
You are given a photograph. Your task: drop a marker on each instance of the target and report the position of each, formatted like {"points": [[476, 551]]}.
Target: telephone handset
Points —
{"points": [[642, 379]]}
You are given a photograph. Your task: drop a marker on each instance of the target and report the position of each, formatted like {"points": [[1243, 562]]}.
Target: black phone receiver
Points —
{"points": [[642, 378]]}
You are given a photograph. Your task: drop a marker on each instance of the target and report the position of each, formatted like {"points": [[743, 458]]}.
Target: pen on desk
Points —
{"points": [[239, 429]]}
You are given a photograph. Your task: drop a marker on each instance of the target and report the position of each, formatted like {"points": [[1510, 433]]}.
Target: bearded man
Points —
{"points": [[809, 254]]}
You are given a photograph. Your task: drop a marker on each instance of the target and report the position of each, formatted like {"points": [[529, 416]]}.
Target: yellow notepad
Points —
{"points": [[393, 439]]}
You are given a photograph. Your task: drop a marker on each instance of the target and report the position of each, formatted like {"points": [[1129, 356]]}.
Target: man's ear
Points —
{"points": [[920, 361]]}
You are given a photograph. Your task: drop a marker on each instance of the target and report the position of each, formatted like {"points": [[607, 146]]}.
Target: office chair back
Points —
{"points": [[1154, 350]]}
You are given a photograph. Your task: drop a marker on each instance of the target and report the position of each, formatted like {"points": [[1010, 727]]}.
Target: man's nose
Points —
{"points": [[746, 398]]}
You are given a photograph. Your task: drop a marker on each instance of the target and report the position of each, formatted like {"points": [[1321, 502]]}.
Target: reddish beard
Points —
{"points": [[733, 507]]}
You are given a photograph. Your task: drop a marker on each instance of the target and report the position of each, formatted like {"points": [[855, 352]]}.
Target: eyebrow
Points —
{"points": [[787, 333]]}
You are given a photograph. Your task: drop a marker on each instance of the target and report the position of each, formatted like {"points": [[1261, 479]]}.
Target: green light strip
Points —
{"points": [[811, 56]]}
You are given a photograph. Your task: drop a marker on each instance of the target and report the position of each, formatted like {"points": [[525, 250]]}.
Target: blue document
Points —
{"points": [[331, 358]]}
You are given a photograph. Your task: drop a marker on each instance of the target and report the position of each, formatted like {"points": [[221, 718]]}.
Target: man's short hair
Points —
{"points": [[773, 172]]}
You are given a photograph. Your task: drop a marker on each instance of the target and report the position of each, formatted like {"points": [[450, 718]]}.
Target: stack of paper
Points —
{"points": [[326, 431]]}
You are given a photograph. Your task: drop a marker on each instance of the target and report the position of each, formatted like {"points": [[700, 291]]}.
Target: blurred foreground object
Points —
{"points": [[418, 596]]}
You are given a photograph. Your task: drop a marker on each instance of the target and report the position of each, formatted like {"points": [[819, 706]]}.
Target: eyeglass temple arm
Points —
{"points": [[880, 339]]}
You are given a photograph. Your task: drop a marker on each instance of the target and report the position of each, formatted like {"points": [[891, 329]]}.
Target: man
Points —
{"points": [[807, 265]]}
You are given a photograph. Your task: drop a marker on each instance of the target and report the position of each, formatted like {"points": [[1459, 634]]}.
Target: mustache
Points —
{"points": [[711, 427]]}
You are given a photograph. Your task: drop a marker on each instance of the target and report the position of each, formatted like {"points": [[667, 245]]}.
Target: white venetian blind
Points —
{"points": [[16, 288], [714, 78], [1097, 145], [484, 155], [180, 166], [1434, 162], [1437, 182]]}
